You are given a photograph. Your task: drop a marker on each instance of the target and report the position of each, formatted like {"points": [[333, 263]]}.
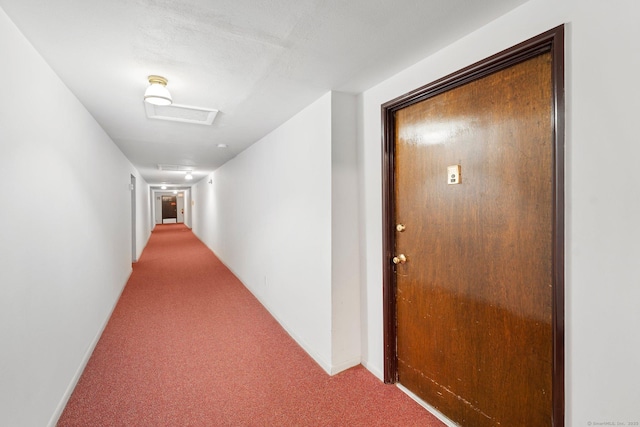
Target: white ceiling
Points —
{"points": [[257, 62]]}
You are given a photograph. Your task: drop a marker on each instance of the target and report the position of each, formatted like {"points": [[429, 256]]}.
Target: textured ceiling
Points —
{"points": [[257, 62]]}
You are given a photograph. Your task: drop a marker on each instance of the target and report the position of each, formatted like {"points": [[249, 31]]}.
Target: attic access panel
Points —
{"points": [[181, 113]]}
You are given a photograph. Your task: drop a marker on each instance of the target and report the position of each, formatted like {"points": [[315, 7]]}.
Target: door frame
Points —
{"points": [[551, 41]]}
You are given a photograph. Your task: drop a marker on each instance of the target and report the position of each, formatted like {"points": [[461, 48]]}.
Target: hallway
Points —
{"points": [[188, 344], [305, 182]]}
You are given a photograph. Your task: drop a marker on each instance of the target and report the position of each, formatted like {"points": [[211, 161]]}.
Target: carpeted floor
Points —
{"points": [[188, 345]]}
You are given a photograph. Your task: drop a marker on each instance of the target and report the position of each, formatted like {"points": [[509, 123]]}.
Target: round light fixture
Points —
{"points": [[188, 176], [157, 92]]}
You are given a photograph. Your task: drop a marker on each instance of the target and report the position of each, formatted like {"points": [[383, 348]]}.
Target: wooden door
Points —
{"points": [[474, 300], [169, 208]]}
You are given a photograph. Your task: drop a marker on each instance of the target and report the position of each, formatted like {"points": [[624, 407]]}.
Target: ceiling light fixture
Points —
{"points": [[164, 187], [188, 176], [157, 92]]}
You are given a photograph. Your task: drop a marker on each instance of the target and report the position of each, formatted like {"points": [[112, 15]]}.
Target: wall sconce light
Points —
{"points": [[157, 92]]}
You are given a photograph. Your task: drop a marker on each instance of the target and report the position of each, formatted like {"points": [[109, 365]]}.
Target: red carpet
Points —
{"points": [[189, 345]]}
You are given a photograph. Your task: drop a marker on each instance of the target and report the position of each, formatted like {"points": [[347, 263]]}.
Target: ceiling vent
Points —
{"points": [[180, 113], [176, 168]]}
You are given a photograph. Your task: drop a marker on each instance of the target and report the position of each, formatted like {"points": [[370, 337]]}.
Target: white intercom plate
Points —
{"points": [[453, 174]]}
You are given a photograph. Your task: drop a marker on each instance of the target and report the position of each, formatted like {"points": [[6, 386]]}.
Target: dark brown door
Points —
{"points": [[474, 297], [169, 208]]}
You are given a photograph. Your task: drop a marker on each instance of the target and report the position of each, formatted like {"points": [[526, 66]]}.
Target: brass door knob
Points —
{"points": [[400, 227], [399, 259]]}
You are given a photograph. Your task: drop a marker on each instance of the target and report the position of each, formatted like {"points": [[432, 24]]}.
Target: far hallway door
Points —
{"points": [[169, 209]]}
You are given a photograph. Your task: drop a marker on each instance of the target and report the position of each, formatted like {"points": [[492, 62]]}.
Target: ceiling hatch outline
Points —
{"points": [[181, 113], [176, 168]]}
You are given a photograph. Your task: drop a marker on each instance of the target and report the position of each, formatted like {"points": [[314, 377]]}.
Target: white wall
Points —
{"points": [[268, 215], [602, 193], [143, 213], [345, 269], [157, 207], [65, 238], [188, 209]]}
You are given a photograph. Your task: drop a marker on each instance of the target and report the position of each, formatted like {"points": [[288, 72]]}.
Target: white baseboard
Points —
{"points": [[76, 377], [375, 371], [316, 357], [327, 366], [428, 407], [343, 366]]}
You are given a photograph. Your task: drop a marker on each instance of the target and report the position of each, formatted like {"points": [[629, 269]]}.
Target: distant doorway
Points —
{"points": [[169, 209]]}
